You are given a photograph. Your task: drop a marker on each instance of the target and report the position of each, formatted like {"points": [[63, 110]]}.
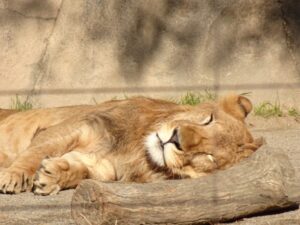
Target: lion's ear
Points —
{"points": [[236, 105]]}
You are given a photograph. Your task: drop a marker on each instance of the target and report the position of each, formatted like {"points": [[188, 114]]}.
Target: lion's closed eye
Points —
{"points": [[207, 120]]}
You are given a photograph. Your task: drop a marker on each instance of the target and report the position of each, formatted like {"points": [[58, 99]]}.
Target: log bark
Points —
{"points": [[265, 181]]}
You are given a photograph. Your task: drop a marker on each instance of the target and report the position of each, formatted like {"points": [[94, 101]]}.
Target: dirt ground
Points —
{"points": [[27, 208]]}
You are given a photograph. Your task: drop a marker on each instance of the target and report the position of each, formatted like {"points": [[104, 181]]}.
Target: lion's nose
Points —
{"points": [[174, 139]]}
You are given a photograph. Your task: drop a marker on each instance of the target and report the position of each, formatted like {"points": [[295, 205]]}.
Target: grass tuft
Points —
{"points": [[293, 112], [268, 109], [191, 98], [18, 104]]}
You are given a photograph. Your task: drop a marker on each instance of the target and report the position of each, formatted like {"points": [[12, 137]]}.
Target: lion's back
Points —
{"points": [[4, 113]]}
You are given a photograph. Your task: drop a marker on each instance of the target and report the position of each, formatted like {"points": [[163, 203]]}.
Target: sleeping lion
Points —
{"points": [[133, 140]]}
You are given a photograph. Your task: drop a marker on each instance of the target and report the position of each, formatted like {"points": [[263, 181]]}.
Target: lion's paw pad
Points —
{"points": [[48, 177]]}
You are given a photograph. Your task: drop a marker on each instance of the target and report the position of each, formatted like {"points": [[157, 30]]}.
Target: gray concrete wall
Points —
{"points": [[62, 52]]}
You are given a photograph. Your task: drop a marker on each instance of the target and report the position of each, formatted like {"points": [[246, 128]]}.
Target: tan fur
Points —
{"points": [[4, 113], [138, 139]]}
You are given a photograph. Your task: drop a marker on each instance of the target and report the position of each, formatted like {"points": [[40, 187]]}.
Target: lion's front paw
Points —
{"points": [[14, 181], [48, 179]]}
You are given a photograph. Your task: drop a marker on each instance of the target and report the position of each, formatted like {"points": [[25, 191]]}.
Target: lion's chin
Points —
{"points": [[154, 150]]}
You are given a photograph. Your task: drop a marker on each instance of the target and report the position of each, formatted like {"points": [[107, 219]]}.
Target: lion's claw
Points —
{"points": [[14, 181]]}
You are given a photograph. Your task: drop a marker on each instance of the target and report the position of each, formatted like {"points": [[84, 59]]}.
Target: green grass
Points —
{"points": [[293, 112], [268, 109], [18, 104], [191, 98], [94, 100]]}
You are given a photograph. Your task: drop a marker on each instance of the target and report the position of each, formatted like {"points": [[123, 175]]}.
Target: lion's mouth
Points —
{"points": [[163, 148], [174, 139]]}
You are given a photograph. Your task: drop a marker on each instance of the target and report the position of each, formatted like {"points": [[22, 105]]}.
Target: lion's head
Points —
{"points": [[202, 139]]}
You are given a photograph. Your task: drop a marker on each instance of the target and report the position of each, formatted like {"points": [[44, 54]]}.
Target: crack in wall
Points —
{"points": [[289, 40], [28, 17], [40, 69]]}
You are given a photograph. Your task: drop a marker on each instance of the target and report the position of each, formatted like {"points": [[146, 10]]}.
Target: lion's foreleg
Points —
{"points": [[67, 171], [3, 159], [53, 142]]}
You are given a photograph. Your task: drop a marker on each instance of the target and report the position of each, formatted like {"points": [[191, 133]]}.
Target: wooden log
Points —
{"points": [[263, 182]]}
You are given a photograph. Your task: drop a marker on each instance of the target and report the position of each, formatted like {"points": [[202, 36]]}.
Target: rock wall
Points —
{"points": [[62, 52]]}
